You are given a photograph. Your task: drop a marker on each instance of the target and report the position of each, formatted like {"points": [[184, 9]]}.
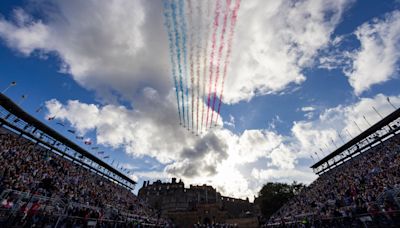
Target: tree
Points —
{"points": [[273, 196]]}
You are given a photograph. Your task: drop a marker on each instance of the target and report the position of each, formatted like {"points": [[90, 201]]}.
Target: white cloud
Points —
{"points": [[231, 122], [377, 59], [105, 45], [281, 38], [254, 144], [213, 158], [307, 109], [111, 45], [335, 124], [283, 175], [218, 158]]}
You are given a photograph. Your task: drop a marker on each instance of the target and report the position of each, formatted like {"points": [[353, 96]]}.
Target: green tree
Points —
{"points": [[272, 196]]}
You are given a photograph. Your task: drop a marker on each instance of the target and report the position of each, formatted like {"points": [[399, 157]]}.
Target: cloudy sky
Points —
{"points": [[302, 73]]}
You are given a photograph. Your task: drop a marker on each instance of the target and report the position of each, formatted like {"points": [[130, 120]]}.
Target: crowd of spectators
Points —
{"points": [[31, 171], [365, 185]]}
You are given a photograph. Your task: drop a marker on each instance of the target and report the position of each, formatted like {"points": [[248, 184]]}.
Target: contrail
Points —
{"points": [[205, 61], [167, 25], [178, 52], [229, 50], [214, 41], [221, 48], [198, 46], [191, 50], [184, 35]]}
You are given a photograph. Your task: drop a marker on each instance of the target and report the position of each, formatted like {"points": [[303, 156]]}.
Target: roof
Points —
{"points": [[384, 122], [13, 108]]}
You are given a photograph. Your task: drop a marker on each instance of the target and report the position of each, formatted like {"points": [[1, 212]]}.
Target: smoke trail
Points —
{"points": [[198, 46], [191, 57], [184, 35], [221, 47], [214, 41], [205, 61], [178, 53], [228, 53], [167, 25]]}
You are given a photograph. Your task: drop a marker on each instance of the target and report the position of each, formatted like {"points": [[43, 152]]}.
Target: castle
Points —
{"points": [[196, 204]]}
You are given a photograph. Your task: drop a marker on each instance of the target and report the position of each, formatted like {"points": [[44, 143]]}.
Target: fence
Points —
{"points": [[55, 213]]}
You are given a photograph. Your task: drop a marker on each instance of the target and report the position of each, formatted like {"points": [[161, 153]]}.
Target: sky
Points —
{"points": [[300, 75]]}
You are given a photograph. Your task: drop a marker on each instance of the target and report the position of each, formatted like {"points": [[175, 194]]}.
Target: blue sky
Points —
{"points": [[294, 81]]}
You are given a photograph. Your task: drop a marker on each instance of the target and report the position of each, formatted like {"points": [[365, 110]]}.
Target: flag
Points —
{"points": [[51, 118], [13, 83], [39, 109], [61, 124], [79, 137], [71, 131]]}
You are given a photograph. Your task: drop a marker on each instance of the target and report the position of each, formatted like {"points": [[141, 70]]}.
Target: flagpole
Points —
{"points": [[349, 133], [327, 147], [388, 100], [9, 86], [377, 112], [334, 143], [23, 97], [366, 121], [357, 126], [316, 155]]}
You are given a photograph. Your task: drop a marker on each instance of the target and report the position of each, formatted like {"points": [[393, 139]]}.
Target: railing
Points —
{"points": [[391, 194], [377, 219], [20, 219], [54, 212]]}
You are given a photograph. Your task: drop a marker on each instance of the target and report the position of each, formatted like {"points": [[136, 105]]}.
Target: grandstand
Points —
{"points": [[48, 180], [358, 184]]}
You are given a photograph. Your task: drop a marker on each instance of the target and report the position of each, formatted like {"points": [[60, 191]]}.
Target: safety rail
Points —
{"points": [[372, 219], [58, 207]]}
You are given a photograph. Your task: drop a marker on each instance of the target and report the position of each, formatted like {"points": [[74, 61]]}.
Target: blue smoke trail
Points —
{"points": [[167, 25], [184, 34], [178, 52]]}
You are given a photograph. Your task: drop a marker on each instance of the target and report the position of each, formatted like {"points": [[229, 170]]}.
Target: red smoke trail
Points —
{"points": [[221, 47], [228, 53], [198, 68], [191, 56], [205, 61], [214, 41]]}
